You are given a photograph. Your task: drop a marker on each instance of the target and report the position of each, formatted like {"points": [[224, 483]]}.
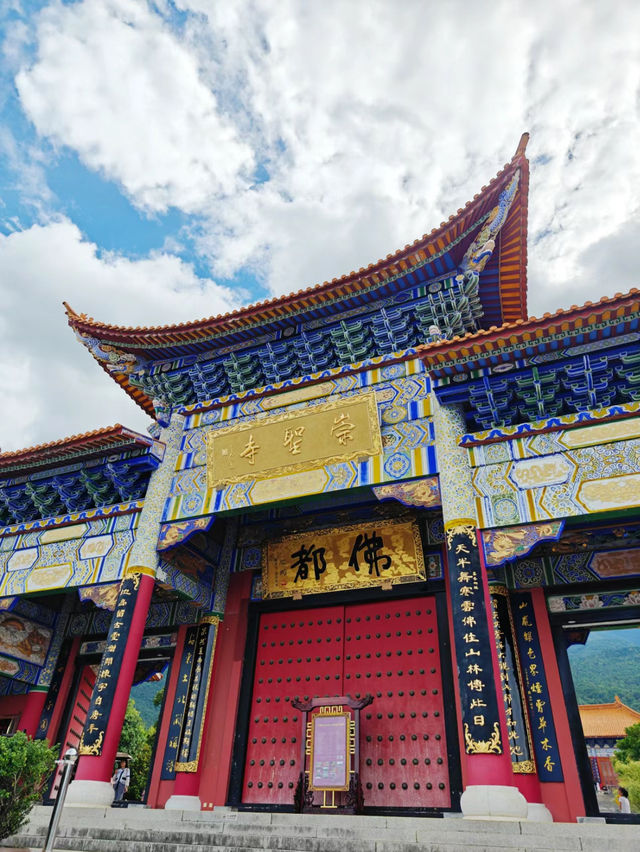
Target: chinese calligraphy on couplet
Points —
{"points": [[471, 632], [538, 699]]}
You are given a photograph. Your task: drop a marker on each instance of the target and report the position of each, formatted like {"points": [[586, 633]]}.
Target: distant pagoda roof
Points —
{"points": [[88, 445], [496, 346], [58, 481], [607, 720], [529, 374], [496, 216]]}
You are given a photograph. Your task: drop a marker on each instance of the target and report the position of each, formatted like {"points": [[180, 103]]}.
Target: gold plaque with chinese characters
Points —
{"points": [[303, 439], [350, 557]]}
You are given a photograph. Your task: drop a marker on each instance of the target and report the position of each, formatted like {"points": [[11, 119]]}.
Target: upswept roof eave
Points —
{"points": [[609, 719], [477, 344], [277, 307], [87, 443]]}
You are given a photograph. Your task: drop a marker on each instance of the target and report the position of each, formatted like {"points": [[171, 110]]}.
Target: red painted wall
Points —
{"points": [[564, 800], [13, 705], [217, 747]]}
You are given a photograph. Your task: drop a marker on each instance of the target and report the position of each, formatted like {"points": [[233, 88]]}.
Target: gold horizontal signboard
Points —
{"points": [[367, 554], [304, 439]]}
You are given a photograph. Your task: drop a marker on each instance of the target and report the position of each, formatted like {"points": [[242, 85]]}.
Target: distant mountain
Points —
{"points": [[608, 665], [143, 694]]}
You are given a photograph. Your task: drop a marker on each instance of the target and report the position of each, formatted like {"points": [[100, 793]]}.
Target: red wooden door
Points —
{"points": [[299, 655], [608, 776], [390, 650], [77, 720]]}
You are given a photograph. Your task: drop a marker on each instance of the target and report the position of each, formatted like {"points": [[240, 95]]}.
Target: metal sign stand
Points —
{"points": [[67, 762], [349, 799]]}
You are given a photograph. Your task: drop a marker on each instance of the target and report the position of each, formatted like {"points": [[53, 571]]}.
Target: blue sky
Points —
{"points": [[162, 161]]}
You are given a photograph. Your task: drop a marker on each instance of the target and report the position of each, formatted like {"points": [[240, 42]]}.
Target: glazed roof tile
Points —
{"points": [[281, 306], [503, 295], [607, 720], [473, 345], [87, 444]]}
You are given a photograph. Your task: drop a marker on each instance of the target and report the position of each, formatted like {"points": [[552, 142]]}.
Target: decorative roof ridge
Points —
{"points": [[612, 705], [525, 324], [77, 321], [92, 440]]}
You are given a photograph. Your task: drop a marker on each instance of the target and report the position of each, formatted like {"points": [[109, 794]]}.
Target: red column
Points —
{"points": [[30, 716], [100, 767], [529, 785], [217, 748]]}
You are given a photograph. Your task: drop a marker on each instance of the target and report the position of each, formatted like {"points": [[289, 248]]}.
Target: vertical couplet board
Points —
{"points": [[389, 649]]}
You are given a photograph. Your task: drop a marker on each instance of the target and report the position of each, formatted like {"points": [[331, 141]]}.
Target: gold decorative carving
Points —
{"points": [[617, 492], [421, 492], [338, 431], [63, 533], [525, 767], [387, 552], [285, 487], [191, 766], [468, 530], [280, 400], [104, 597], [94, 749], [134, 573], [602, 433], [541, 472], [490, 746]]}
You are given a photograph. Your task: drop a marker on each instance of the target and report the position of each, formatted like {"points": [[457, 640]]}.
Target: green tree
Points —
{"points": [[629, 774], [628, 749], [25, 765], [134, 740], [158, 698]]}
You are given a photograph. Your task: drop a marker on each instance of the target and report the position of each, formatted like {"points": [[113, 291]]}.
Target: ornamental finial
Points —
{"points": [[522, 146]]}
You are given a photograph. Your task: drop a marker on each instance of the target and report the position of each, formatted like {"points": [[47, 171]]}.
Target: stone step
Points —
{"points": [[141, 830], [160, 845], [109, 840]]}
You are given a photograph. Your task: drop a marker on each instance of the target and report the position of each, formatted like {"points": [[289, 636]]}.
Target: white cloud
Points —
{"points": [[112, 82], [49, 383], [371, 122], [392, 116]]}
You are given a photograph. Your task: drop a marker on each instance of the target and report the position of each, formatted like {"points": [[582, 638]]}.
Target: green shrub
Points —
{"points": [[629, 774], [25, 766]]}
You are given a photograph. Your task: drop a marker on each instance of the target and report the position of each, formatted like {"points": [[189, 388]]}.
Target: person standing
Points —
{"points": [[623, 800], [120, 781]]}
